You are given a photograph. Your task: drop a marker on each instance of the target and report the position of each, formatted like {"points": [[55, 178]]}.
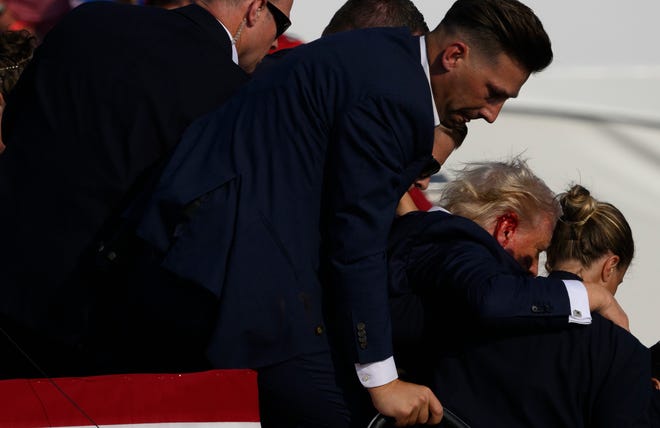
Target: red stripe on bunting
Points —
{"points": [[212, 396]]}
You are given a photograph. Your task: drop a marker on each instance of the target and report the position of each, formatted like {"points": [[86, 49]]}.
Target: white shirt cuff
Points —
{"points": [[376, 374], [577, 295]]}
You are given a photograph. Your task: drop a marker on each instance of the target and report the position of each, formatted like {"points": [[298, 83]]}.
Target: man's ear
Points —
{"points": [[609, 267], [255, 11], [453, 54], [505, 228]]}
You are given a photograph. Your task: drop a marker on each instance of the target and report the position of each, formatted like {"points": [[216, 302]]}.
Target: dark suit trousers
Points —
{"points": [[302, 392]]}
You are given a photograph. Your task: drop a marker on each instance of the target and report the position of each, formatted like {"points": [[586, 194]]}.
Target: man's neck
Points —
{"points": [[216, 11], [571, 266], [434, 50], [230, 17]]}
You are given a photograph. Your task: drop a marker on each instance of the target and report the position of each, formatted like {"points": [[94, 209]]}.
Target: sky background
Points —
{"points": [[583, 32]]}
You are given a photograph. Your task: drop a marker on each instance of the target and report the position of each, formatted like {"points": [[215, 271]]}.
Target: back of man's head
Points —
{"points": [[496, 26], [356, 14], [17, 48], [483, 191]]}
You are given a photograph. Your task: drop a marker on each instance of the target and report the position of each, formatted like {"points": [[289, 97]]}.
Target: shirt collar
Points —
{"points": [[425, 65], [234, 52]]}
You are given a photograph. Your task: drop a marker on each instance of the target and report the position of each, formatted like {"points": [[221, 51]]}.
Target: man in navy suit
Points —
{"points": [[490, 337], [297, 178], [108, 94]]}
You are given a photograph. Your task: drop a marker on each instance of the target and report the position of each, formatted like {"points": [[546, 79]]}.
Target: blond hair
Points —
{"points": [[484, 191], [587, 230]]}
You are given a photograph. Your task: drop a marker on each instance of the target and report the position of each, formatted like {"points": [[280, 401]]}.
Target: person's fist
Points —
{"points": [[407, 403], [603, 302]]}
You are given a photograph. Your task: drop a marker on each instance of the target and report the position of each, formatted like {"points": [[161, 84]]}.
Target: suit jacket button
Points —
{"points": [[362, 333], [361, 326], [363, 346], [318, 330], [539, 309]]}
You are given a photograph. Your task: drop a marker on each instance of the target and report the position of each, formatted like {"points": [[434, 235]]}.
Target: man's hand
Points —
{"points": [[603, 302], [408, 403]]}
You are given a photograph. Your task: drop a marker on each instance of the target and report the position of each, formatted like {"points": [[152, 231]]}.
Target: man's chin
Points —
{"points": [[454, 122]]}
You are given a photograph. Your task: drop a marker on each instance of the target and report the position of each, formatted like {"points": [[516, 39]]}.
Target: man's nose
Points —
{"points": [[491, 111]]}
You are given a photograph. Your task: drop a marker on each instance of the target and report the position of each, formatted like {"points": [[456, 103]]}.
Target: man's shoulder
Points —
{"points": [[436, 225], [108, 9], [180, 36], [438, 229], [100, 20], [95, 16], [377, 34]]}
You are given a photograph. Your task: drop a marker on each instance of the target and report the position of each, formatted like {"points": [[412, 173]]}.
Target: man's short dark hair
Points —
{"points": [[356, 14], [495, 26]]}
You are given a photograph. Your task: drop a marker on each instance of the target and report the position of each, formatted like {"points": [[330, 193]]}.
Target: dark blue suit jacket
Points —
{"points": [[108, 94], [521, 373], [300, 172], [486, 284]]}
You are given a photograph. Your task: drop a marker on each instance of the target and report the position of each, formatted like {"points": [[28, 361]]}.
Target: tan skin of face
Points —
{"points": [[258, 35], [525, 241], [466, 85]]}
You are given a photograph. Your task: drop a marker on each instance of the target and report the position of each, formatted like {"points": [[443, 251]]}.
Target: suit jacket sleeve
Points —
{"points": [[489, 283], [370, 166]]}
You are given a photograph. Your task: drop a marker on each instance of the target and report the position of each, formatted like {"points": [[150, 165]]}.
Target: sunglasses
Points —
{"points": [[431, 167], [282, 22]]}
